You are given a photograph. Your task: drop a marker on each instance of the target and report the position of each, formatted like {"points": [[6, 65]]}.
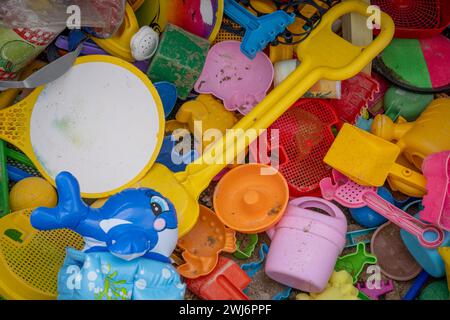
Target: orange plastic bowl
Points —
{"points": [[251, 198]]}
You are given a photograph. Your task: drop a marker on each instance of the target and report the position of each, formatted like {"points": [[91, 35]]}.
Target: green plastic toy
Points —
{"points": [[362, 296], [354, 263], [19, 157], [437, 290], [408, 105], [4, 188], [246, 252], [179, 59]]}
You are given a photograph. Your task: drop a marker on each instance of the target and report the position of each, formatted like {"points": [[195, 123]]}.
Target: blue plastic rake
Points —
{"points": [[259, 31]]}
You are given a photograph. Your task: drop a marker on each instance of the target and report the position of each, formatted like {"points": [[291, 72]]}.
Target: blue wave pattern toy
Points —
{"points": [[128, 243]]}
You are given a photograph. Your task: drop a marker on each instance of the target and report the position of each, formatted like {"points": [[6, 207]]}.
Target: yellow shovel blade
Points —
{"points": [[363, 157]]}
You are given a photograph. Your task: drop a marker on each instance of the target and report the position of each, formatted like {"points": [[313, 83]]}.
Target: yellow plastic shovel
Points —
{"points": [[369, 160], [323, 55]]}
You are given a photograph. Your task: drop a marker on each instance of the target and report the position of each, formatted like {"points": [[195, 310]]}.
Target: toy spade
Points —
{"points": [[323, 55], [369, 160]]}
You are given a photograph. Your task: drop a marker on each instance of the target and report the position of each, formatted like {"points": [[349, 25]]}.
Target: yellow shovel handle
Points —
{"points": [[198, 174]]}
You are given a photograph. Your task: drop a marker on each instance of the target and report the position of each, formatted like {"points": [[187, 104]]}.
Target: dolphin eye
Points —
{"points": [[158, 205]]}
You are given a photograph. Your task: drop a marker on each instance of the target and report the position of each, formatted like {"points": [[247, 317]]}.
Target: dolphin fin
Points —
{"points": [[69, 212]]}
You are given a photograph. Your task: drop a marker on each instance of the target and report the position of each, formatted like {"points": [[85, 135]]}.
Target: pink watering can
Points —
{"points": [[306, 244]]}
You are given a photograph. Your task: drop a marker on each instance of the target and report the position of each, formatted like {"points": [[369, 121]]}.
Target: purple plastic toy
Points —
{"points": [[375, 294], [90, 48]]}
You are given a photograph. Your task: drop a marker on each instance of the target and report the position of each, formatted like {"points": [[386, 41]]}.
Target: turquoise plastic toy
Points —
{"points": [[253, 267], [429, 259], [352, 238]]}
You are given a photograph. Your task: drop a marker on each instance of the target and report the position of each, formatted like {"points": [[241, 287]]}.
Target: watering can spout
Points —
{"points": [[385, 128]]}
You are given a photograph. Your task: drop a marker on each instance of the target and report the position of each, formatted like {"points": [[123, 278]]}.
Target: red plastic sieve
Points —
{"points": [[304, 138], [417, 18]]}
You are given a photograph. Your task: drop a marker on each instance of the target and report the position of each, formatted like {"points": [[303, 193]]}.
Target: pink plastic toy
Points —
{"points": [[306, 244], [229, 75], [375, 294], [436, 169], [353, 195]]}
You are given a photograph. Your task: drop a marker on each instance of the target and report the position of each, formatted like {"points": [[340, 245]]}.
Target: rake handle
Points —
{"points": [[403, 220]]}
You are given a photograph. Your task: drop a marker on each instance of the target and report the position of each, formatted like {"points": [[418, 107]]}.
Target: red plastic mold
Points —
{"points": [[304, 138], [357, 92], [226, 282], [416, 18]]}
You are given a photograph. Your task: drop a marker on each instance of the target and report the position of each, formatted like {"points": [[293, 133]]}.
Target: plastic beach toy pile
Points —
{"points": [[225, 149]]}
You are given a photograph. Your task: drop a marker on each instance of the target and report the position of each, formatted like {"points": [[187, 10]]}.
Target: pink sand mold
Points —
{"points": [[436, 202], [352, 195], [229, 75]]}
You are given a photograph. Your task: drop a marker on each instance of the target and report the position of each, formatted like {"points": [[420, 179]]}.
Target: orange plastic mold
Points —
{"points": [[251, 198], [203, 244]]}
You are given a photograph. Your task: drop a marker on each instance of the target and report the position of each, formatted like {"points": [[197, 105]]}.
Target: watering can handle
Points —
{"points": [[323, 55], [319, 203]]}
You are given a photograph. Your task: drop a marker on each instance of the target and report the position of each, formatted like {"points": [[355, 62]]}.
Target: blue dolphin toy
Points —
{"points": [[133, 223]]}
